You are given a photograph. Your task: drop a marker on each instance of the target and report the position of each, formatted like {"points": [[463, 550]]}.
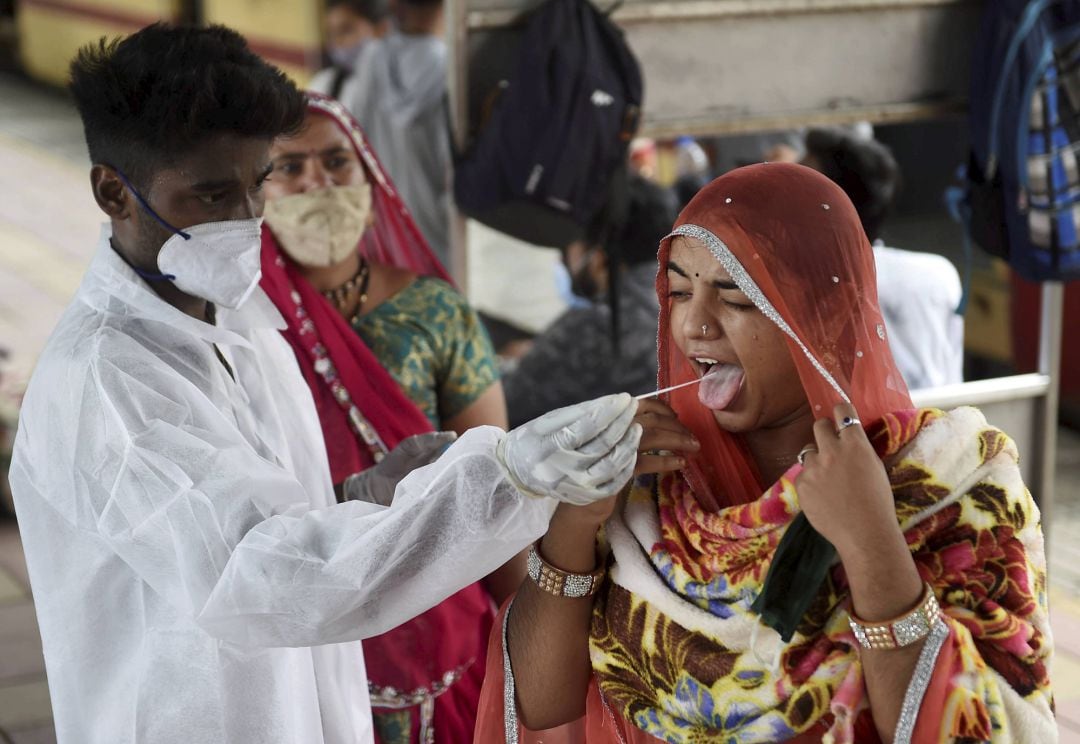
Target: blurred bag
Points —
{"points": [[559, 127], [1021, 196]]}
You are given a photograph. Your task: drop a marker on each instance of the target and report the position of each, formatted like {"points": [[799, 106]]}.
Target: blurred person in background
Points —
{"points": [[692, 170], [737, 150], [193, 577], [369, 308], [9, 407], [398, 94], [576, 358], [349, 25], [919, 293], [644, 157]]}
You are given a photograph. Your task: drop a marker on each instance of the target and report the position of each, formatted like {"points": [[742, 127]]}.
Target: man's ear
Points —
{"points": [[110, 193]]}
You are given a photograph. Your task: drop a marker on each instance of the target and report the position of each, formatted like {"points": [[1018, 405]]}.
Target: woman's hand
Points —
{"points": [[844, 489], [664, 442], [845, 493]]}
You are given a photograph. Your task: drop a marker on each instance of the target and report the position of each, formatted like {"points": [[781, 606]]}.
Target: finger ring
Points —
{"points": [[801, 457], [848, 421]]}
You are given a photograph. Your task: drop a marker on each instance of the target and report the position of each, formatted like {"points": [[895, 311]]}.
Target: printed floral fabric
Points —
{"points": [[430, 341], [690, 663]]}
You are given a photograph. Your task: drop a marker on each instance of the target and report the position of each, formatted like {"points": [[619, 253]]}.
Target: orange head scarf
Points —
{"points": [[793, 243]]}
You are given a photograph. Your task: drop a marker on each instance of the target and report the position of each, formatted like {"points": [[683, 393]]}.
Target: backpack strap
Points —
{"points": [[1031, 16], [960, 210], [616, 211]]}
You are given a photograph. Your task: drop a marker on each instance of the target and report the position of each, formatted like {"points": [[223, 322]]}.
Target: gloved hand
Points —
{"points": [[377, 484], [577, 455]]}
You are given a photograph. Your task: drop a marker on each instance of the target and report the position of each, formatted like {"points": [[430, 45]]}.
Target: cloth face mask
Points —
{"points": [[322, 227], [219, 262]]}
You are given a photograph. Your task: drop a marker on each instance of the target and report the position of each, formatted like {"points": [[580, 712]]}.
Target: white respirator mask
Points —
{"points": [[220, 262]]}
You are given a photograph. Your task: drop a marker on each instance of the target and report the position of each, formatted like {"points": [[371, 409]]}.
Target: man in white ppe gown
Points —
{"points": [[194, 577]]}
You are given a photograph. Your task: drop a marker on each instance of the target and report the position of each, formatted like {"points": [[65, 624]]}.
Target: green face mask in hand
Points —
{"points": [[798, 570]]}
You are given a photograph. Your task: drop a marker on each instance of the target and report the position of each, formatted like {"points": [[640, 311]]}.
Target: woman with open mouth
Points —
{"points": [[804, 555]]}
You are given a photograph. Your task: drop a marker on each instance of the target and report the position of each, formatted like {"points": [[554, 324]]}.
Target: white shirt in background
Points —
{"points": [[919, 294], [398, 93]]}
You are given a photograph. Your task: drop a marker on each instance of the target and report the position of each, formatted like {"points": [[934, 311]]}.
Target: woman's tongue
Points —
{"points": [[720, 386]]}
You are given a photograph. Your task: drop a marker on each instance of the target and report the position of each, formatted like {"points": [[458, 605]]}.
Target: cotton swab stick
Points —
{"points": [[668, 389]]}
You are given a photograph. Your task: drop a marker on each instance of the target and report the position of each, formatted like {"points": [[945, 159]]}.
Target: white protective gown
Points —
{"points": [[194, 579]]}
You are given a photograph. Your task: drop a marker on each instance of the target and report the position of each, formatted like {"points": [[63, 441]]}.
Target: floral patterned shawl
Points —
{"points": [[679, 654]]}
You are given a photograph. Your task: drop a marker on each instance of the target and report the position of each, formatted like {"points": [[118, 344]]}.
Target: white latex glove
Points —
{"points": [[377, 484], [578, 454]]}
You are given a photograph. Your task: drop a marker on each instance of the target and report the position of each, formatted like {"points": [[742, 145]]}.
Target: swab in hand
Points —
{"points": [[667, 389]]}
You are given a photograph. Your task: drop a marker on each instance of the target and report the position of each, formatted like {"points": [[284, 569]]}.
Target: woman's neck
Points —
{"points": [[326, 278], [776, 449]]}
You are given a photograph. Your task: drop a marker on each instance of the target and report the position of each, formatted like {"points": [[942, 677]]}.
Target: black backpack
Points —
{"points": [[558, 128]]}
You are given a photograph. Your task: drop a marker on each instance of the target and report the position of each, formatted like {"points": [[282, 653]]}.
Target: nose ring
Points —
{"points": [[704, 329]]}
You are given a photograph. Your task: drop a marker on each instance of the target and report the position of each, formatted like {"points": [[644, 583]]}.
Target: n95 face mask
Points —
{"points": [[322, 227], [219, 262]]}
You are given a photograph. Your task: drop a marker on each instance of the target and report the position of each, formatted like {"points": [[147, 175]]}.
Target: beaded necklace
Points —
{"points": [[325, 368], [343, 295]]}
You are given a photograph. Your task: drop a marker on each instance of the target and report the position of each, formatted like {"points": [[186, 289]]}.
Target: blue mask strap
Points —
{"points": [[150, 276], [150, 210]]}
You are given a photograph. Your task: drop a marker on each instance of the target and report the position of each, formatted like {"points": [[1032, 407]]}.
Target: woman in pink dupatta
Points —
{"points": [[389, 349]]}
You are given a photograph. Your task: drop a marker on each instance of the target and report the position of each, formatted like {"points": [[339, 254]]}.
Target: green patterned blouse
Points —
{"points": [[430, 341]]}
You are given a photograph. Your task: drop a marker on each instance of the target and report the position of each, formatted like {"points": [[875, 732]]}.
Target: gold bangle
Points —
{"points": [[562, 583], [904, 630]]}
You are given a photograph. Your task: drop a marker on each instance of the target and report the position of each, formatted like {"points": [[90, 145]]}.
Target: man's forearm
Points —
{"points": [[354, 570]]}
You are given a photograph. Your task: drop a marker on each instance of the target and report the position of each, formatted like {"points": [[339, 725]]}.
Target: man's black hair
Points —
{"points": [[374, 11], [865, 169], [152, 97], [649, 214]]}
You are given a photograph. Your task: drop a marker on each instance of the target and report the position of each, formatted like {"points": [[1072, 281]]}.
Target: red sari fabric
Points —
{"points": [[409, 667]]}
